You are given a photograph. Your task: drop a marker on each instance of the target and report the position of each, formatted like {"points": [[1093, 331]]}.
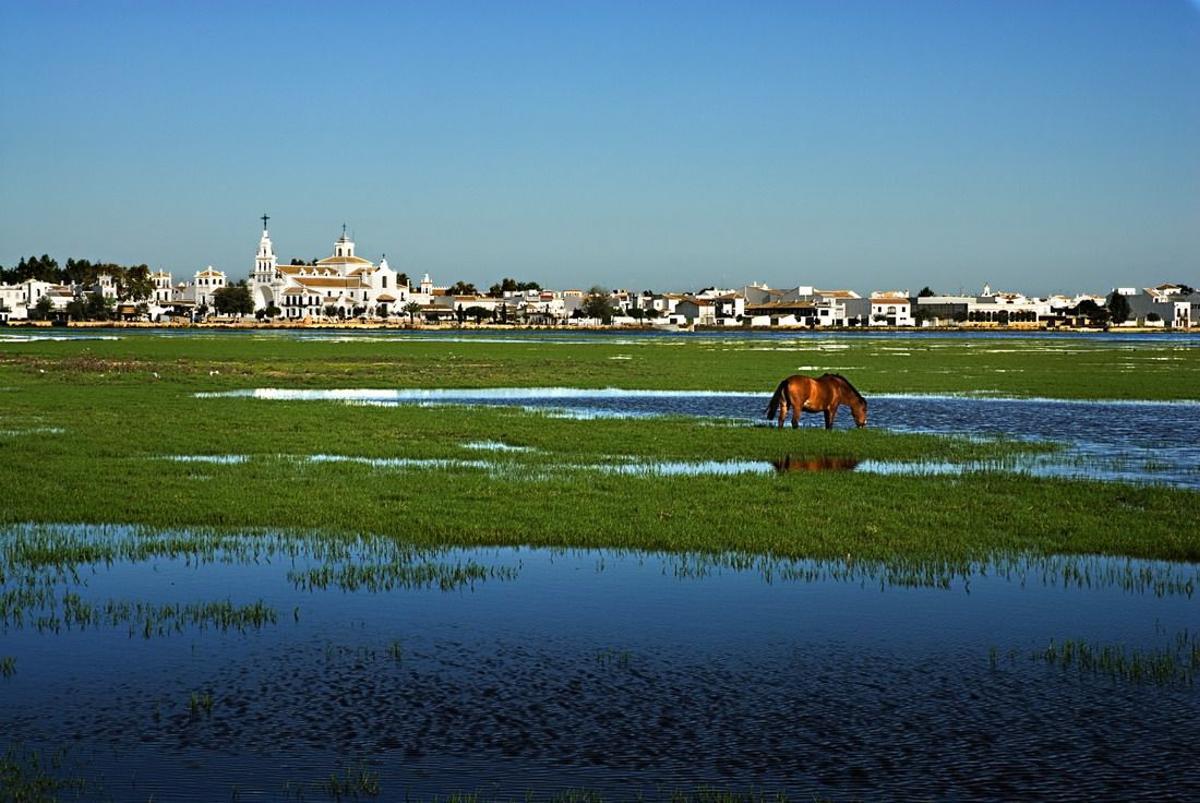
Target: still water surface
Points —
{"points": [[507, 670], [1130, 441]]}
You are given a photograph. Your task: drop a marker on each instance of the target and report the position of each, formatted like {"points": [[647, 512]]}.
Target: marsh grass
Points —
{"points": [[352, 781], [1040, 364], [1176, 663], [8, 666], [45, 570], [96, 473], [30, 776], [200, 704], [395, 650], [148, 620], [610, 657], [378, 577]]}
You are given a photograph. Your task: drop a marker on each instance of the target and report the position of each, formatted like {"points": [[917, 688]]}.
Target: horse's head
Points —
{"points": [[858, 408]]}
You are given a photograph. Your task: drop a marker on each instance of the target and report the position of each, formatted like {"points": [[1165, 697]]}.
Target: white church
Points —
{"points": [[348, 283]]}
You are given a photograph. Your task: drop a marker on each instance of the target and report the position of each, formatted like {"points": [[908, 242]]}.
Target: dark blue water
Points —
{"points": [[627, 673]]}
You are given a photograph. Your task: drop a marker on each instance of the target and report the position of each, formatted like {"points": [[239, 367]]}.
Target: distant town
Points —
{"points": [[347, 288]]}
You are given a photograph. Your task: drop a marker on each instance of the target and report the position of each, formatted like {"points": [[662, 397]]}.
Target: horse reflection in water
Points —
{"points": [[790, 463], [824, 394]]}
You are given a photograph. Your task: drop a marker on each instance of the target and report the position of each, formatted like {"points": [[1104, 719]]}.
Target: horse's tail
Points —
{"points": [[776, 398]]}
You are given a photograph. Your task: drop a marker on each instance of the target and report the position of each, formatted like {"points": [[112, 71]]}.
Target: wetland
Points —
{"points": [[317, 565]]}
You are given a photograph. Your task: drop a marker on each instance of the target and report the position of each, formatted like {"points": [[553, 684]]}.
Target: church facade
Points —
{"points": [[343, 283]]}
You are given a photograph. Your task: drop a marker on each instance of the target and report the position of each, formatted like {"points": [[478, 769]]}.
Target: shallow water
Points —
{"points": [[576, 335], [507, 670], [1130, 441]]}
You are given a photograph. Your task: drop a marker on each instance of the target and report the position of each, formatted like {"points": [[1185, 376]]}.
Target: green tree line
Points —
{"points": [[133, 281]]}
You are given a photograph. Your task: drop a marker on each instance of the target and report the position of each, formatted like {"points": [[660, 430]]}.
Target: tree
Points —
{"points": [[330, 311], [598, 304], [461, 288], [1118, 307], [134, 283], [460, 314], [42, 309], [271, 311], [43, 268], [233, 300], [1095, 313], [510, 285], [77, 310], [412, 308], [926, 292], [478, 313]]}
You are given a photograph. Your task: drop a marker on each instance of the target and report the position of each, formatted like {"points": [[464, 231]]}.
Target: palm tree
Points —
{"points": [[412, 308]]}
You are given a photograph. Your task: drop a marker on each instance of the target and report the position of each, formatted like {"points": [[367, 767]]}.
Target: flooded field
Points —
{"points": [[1128, 441], [586, 335], [349, 575], [184, 666]]}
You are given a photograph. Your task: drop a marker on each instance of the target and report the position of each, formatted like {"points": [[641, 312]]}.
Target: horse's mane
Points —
{"points": [[853, 389]]}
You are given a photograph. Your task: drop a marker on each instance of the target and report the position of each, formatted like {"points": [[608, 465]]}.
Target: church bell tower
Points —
{"points": [[264, 262]]}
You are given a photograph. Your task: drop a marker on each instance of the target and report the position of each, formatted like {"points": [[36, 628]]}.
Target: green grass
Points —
{"points": [[118, 421], [1037, 365]]}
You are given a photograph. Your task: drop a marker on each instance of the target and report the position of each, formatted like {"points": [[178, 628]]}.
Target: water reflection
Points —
{"points": [[510, 669], [789, 463]]}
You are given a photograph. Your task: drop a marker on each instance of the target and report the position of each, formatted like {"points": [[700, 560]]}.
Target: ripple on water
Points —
{"points": [[617, 671]]}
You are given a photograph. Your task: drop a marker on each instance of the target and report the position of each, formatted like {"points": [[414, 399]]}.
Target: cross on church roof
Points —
{"points": [[265, 218]]}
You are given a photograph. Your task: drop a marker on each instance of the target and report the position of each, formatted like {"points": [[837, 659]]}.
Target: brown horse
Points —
{"points": [[823, 394]]}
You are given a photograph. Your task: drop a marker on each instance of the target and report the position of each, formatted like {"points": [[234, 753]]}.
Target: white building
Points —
{"points": [[343, 281], [106, 286], [199, 291], [20, 299], [163, 293], [891, 308]]}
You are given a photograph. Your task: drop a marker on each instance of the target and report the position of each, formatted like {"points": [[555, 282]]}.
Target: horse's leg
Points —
{"points": [[783, 406], [796, 411], [830, 412]]}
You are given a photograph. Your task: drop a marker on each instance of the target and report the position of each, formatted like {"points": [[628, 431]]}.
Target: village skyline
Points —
{"points": [[1043, 146], [347, 286], [968, 282]]}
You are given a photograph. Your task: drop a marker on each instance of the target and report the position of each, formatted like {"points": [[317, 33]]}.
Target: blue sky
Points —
{"points": [[1035, 144]]}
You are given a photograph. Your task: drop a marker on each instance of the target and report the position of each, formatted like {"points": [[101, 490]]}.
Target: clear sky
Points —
{"points": [[1035, 144]]}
